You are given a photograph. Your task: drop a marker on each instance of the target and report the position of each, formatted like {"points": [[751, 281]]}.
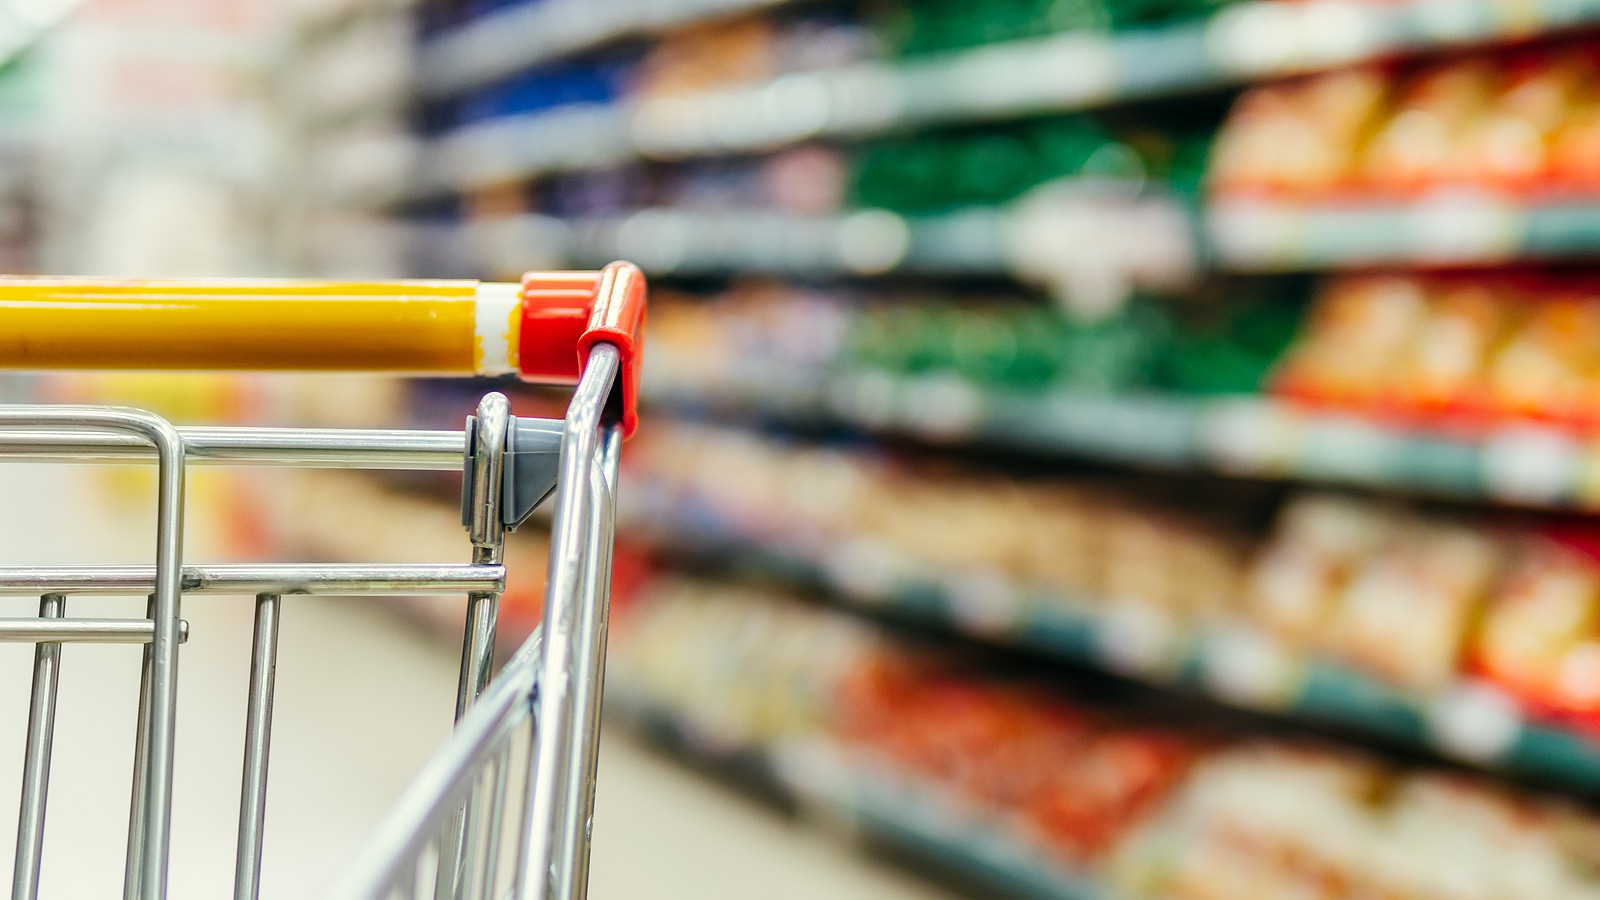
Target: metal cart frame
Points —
{"points": [[504, 807]]}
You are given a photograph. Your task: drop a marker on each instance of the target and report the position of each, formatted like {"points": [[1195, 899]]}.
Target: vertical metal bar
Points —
{"points": [[492, 834], [572, 860], [132, 882], [163, 651], [477, 651], [488, 536], [486, 531], [36, 762], [477, 661], [257, 742], [471, 831], [569, 547]]}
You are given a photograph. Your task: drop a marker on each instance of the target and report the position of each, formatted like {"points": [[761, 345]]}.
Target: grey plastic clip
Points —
{"points": [[533, 459], [528, 473]]}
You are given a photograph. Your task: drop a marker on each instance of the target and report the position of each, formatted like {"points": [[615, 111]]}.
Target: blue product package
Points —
{"points": [[536, 90]]}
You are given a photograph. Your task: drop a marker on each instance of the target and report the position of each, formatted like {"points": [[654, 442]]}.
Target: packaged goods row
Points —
{"points": [[1143, 802], [1464, 385], [470, 44], [1472, 160], [910, 175], [1463, 349], [994, 339], [1262, 598], [757, 84], [717, 54], [922, 175], [1520, 122]]}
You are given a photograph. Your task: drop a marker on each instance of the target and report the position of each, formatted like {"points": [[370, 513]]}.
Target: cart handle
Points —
{"points": [[542, 329]]}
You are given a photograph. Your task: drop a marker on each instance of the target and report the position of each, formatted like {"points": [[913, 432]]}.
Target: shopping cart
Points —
{"points": [[504, 807]]}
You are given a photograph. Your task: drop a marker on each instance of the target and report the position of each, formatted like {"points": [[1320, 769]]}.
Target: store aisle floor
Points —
{"points": [[363, 696], [664, 833]]}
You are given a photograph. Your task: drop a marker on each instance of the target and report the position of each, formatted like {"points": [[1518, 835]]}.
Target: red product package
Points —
{"points": [[1091, 801]]}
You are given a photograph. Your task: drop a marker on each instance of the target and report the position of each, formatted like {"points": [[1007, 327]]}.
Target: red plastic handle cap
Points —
{"points": [[564, 314], [555, 312], [618, 319]]}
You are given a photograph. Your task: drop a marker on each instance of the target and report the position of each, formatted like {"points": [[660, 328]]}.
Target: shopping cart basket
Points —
{"points": [[504, 807]]}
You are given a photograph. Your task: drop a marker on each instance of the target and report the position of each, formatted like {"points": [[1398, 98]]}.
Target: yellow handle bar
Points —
{"points": [[542, 329], [403, 326]]}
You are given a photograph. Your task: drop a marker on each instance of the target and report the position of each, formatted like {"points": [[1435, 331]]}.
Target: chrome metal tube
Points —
{"points": [[569, 545], [163, 653], [82, 631], [303, 447], [169, 452], [483, 839], [488, 538], [257, 742], [132, 886], [288, 578], [572, 860], [36, 759], [490, 431]]}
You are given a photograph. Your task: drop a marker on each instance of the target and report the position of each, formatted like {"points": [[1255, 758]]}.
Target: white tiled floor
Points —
{"points": [[363, 697]]}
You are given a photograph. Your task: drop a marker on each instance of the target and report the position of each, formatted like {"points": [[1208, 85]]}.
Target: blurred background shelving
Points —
{"points": [[1189, 400], [1105, 449]]}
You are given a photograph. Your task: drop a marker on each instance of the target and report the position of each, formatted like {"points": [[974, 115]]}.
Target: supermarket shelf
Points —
{"points": [[1045, 240], [667, 241], [1240, 43], [915, 820], [1234, 664], [1244, 435], [1074, 241], [519, 37], [1448, 228]]}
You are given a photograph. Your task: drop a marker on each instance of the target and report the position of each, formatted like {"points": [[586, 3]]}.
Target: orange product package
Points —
{"points": [[1547, 607], [1573, 162], [1360, 333], [1298, 138], [1546, 370], [706, 57], [1445, 370], [1509, 145], [1424, 141]]}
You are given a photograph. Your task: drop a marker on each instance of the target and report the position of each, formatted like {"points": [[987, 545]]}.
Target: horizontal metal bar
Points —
{"points": [[326, 447], [82, 631], [305, 447], [278, 578]]}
